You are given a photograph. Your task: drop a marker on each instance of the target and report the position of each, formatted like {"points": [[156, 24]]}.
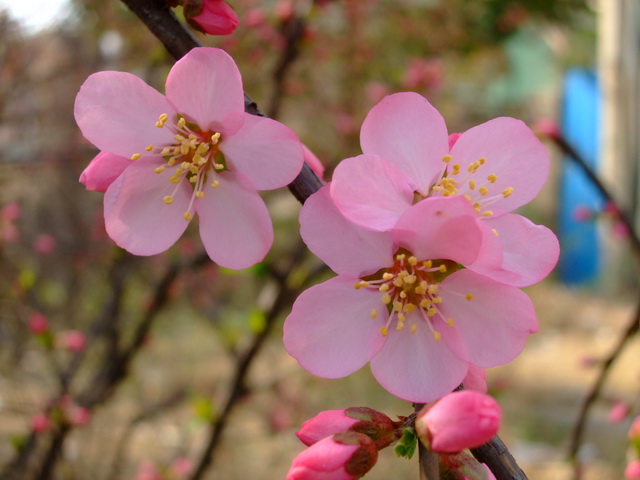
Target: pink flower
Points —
{"points": [[44, 244], [79, 416], [196, 150], [38, 323], [343, 456], [618, 412], [72, 340], [414, 314], [374, 424], [215, 17], [632, 472], [40, 422], [182, 466], [458, 421], [476, 379], [497, 167]]}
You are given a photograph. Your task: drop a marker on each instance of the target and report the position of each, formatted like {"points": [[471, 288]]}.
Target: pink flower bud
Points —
{"points": [[548, 128], [215, 17], [374, 424], [44, 244], [632, 472], [618, 412], [459, 420], [634, 430], [79, 416], [343, 456], [38, 323], [72, 340], [40, 422]]}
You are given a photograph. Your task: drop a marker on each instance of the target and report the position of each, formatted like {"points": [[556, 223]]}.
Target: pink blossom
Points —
{"points": [[44, 244], [632, 472], [79, 415], [634, 430], [374, 424], [72, 340], [182, 466], [195, 150], [497, 167], [38, 323], [215, 17], [460, 420], [40, 422], [414, 314], [343, 456], [255, 17], [618, 412], [548, 128], [148, 471], [8, 215], [10, 211]]}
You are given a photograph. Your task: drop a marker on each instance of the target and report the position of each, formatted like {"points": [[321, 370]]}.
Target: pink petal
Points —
{"points": [[235, 226], [494, 324], [512, 152], [370, 191], [330, 331], [409, 132], [416, 367], [136, 217], [440, 228], [530, 251], [265, 151], [345, 247], [205, 85], [103, 170], [117, 112]]}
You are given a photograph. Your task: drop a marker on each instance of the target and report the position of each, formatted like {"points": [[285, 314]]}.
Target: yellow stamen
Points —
{"points": [[492, 178], [507, 192], [483, 191], [215, 183], [159, 169], [447, 158], [374, 313], [384, 331], [437, 335], [487, 213], [472, 184], [443, 268], [135, 156], [414, 328], [469, 296], [168, 199], [187, 216], [149, 148]]}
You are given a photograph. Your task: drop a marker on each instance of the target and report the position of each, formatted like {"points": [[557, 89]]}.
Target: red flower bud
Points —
{"points": [[215, 17]]}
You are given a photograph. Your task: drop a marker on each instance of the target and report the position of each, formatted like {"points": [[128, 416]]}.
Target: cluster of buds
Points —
{"points": [[215, 17], [344, 444], [72, 340], [65, 411]]}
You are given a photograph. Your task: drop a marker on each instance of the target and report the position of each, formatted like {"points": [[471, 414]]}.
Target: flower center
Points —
{"points": [[192, 155], [411, 286], [476, 187]]}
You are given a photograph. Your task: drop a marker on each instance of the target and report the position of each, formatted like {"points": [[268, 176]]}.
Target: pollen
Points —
{"points": [[159, 169], [384, 331], [507, 192], [215, 183], [187, 216], [447, 158], [472, 184], [135, 156], [168, 199], [149, 148], [469, 296], [414, 328], [493, 178], [437, 335], [483, 191], [487, 213], [450, 322], [374, 313]]}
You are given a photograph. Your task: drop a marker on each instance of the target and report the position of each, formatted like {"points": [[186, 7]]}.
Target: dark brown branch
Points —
{"points": [[495, 455], [427, 460]]}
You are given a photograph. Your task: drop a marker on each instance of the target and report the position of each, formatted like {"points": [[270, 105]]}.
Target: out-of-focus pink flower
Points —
{"points": [[459, 420], [423, 74], [44, 244], [38, 323], [374, 424], [72, 340], [582, 213], [182, 466], [284, 10], [476, 379], [255, 17], [401, 302], [8, 215], [194, 151], [632, 472], [148, 471], [343, 456], [11, 211], [78, 415], [215, 17], [618, 412], [634, 430], [314, 162], [40, 422], [376, 91], [548, 128], [496, 167], [620, 230]]}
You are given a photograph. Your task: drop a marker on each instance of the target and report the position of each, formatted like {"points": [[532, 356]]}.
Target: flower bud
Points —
{"points": [[215, 17], [460, 420], [72, 340], [634, 430], [632, 472], [343, 456], [40, 422], [374, 424], [38, 323]]}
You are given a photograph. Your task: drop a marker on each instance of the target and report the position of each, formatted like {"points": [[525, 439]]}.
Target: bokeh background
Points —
{"points": [[133, 368]]}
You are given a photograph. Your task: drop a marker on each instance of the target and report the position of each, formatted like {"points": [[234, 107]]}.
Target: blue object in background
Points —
{"points": [[579, 254]]}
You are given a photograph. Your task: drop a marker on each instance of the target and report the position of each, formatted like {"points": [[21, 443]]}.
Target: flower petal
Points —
{"points": [[530, 251], [513, 153], [440, 228], [345, 247], [206, 86], [265, 151], [415, 366], [136, 217], [330, 331], [235, 226], [494, 324], [117, 112], [103, 170], [370, 191], [406, 130]]}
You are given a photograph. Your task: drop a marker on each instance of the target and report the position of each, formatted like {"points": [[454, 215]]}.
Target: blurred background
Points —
{"points": [[121, 367]]}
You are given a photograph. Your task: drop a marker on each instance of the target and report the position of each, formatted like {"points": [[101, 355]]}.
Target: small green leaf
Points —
{"points": [[406, 446], [257, 321]]}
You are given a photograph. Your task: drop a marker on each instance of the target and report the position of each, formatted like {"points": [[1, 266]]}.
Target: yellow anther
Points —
{"points": [[194, 179], [187, 216], [413, 261], [482, 160], [357, 286], [218, 166], [384, 331], [215, 137], [149, 148], [433, 288], [135, 156], [473, 167], [399, 326], [437, 299], [185, 165], [487, 213], [472, 184], [425, 302], [400, 257], [165, 151], [469, 296], [176, 151], [427, 264], [456, 168], [215, 183], [431, 312], [174, 179], [386, 299], [450, 322], [443, 268], [398, 282], [168, 199], [387, 276], [374, 313], [384, 288], [397, 306], [409, 307], [492, 178], [199, 194], [483, 191], [410, 279], [507, 192], [414, 328], [179, 138], [495, 232], [403, 294], [193, 169], [447, 158], [159, 169], [437, 335], [401, 317]]}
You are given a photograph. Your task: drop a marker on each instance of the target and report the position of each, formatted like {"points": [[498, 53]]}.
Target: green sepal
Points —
{"points": [[406, 446]]}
